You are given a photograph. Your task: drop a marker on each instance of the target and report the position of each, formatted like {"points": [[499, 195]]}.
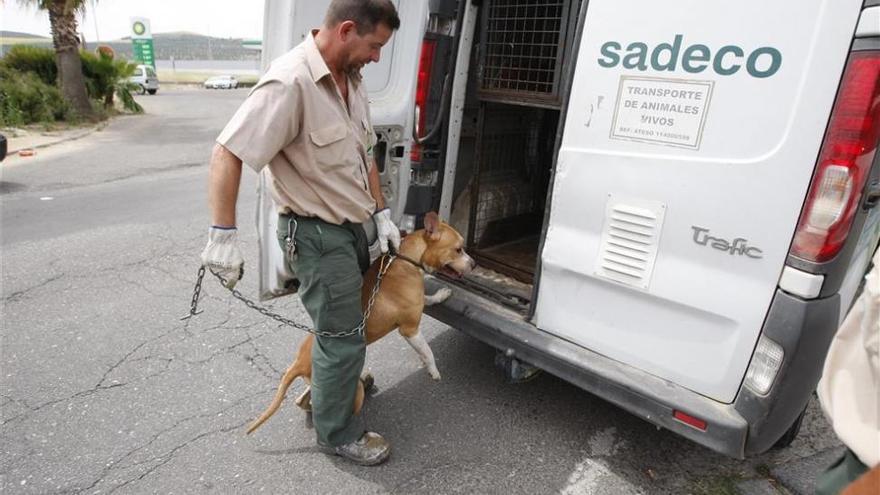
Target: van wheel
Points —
{"points": [[152, 91], [142, 90], [791, 433]]}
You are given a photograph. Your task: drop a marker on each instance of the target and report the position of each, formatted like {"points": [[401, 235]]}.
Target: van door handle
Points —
{"points": [[872, 196]]}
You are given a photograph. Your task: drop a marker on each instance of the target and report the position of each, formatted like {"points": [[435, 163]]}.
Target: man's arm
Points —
{"points": [[375, 188], [222, 255], [225, 177]]}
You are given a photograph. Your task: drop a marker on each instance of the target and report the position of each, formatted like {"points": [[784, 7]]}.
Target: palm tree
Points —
{"points": [[62, 17]]}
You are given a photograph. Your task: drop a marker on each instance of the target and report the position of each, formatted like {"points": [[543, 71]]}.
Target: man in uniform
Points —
{"points": [[848, 395], [308, 120]]}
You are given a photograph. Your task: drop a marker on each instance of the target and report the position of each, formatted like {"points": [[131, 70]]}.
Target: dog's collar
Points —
{"points": [[411, 261]]}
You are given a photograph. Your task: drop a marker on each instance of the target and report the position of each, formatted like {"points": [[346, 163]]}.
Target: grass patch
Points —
{"points": [[9, 40], [721, 485], [195, 77], [763, 470]]}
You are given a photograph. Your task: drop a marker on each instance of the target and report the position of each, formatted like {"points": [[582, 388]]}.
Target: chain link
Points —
{"points": [[358, 330], [194, 304]]}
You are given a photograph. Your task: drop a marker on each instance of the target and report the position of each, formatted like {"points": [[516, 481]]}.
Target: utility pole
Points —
{"points": [[95, 17], [210, 55]]}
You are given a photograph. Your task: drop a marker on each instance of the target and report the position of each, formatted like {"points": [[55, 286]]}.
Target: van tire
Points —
{"points": [[791, 433], [152, 91], [142, 90]]}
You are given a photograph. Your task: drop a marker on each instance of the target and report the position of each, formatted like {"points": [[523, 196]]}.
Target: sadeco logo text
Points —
{"points": [[728, 60]]}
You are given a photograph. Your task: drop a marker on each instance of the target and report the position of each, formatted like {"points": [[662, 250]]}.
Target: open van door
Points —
{"points": [[687, 152]]}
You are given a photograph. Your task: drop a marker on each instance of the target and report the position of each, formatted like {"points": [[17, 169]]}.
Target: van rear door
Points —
{"points": [[690, 140]]}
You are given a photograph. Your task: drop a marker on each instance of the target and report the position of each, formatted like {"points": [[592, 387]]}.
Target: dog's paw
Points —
{"points": [[443, 294], [438, 297], [434, 374], [304, 401]]}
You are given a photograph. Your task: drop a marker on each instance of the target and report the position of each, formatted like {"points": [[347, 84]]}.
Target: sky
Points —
{"points": [[218, 18]]}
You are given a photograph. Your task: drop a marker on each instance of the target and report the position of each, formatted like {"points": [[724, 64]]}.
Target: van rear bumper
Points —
{"points": [[751, 425], [642, 394]]}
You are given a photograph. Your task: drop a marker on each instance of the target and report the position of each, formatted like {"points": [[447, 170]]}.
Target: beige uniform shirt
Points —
{"points": [[317, 147], [849, 391]]}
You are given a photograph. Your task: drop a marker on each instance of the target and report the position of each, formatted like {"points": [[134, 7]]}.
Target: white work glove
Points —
{"points": [[386, 230], [223, 256]]}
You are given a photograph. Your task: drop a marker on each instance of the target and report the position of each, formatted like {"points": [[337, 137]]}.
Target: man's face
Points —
{"points": [[361, 50]]}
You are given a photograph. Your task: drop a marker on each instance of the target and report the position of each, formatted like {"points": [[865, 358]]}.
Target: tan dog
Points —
{"points": [[399, 303]]}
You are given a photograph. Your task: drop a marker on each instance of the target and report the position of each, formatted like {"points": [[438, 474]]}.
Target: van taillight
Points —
{"points": [[844, 161], [426, 62]]}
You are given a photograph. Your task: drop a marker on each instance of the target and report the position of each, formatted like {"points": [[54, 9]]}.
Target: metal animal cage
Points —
{"points": [[512, 174], [504, 189], [522, 48]]}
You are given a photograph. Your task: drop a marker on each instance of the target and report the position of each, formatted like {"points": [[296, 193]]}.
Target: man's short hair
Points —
{"points": [[366, 14]]}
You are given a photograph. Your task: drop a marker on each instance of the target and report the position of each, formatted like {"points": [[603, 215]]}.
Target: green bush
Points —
{"points": [[29, 92], [106, 77], [40, 61], [25, 99]]}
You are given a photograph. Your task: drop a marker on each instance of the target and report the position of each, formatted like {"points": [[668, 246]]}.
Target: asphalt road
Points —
{"points": [[105, 390]]}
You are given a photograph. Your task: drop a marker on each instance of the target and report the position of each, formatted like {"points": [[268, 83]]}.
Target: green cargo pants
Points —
{"points": [[844, 471], [328, 268]]}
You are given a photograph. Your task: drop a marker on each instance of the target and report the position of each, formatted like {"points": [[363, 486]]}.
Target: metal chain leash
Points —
{"points": [[194, 304], [358, 330]]}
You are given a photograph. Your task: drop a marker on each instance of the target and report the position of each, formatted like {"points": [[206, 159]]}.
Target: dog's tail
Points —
{"points": [[292, 373]]}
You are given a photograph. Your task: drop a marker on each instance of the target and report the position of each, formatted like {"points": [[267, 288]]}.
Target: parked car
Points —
{"points": [[221, 82], [672, 209], [145, 77]]}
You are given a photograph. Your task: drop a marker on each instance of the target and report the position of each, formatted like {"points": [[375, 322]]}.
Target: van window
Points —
{"points": [[150, 72], [138, 72]]}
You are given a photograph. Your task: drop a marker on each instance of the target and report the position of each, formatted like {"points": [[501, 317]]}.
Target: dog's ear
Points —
{"points": [[432, 226]]}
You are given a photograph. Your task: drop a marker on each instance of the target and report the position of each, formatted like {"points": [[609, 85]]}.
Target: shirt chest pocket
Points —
{"points": [[331, 147], [369, 139]]}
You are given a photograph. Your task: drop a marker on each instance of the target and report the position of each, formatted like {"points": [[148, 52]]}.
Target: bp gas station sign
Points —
{"points": [[142, 41]]}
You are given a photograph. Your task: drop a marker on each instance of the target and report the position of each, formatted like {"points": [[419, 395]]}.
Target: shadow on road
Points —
{"points": [[473, 432]]}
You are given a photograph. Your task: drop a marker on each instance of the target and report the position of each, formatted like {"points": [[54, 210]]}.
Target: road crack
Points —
{"points": [[15, 296], [167, 456]]}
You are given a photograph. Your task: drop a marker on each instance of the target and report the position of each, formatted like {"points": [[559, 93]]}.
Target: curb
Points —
{"points": [[98, 127]]}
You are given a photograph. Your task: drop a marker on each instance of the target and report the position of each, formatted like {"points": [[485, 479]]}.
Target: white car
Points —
{"points": [[221, 82]]}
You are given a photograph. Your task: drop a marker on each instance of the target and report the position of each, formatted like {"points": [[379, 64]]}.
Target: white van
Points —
{"points": [[146, 79], [672, 204]]}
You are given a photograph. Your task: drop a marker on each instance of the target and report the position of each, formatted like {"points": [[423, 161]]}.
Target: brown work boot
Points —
{"points": [[371, 449]]}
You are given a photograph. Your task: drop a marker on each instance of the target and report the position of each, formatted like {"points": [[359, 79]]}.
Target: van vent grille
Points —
{"points": [[629, 241], [522, 47]]}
